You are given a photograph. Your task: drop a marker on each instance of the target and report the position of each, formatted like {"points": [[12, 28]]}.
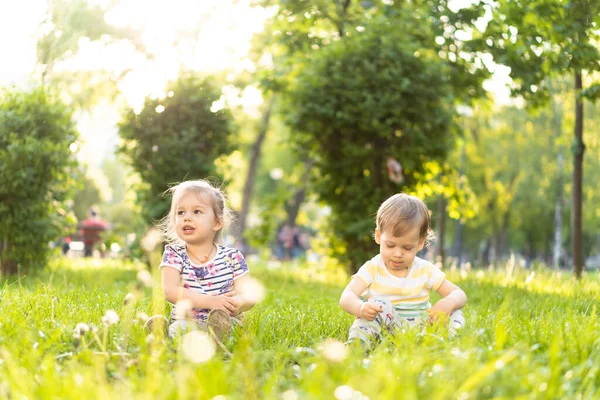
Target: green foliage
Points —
{"points": [[174, 139], [35, 170], [541, 38], [87, 196], [512, 346], [374, 95]]}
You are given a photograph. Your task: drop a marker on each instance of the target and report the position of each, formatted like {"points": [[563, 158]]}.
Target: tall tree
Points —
{"points": [[545, 38], [176, 138]]}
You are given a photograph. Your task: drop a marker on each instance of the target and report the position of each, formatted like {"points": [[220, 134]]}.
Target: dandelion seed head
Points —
{"points": [[252, 291], [82, 328], [343, 392], [290, 395], [334, 350], [569, 374], [151, 239], [183, 308], [198, 346], [141, 316], [130, 297], [110, 318], [145, 277], [149, 338]]}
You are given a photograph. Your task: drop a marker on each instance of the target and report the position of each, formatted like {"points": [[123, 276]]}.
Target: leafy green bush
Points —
{"points": [[36, 167], [377, 94], [174, 139]]}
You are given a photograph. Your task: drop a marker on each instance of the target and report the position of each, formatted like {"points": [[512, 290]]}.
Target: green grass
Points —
{"points": [[525, 339]]}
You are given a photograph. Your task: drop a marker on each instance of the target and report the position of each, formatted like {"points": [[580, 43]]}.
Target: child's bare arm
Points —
{"points": [[453, 298], [174, 292], [352, 304]]}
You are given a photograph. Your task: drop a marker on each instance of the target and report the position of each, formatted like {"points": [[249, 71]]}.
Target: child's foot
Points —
{"points": [[156, 323], [219, 323]]}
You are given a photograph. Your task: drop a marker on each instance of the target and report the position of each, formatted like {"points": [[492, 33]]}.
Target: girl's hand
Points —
{"points": [[225, 302], [239, 302], [369, 311]]}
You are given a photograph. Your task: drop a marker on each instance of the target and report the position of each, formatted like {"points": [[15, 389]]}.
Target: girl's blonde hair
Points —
{"points": [[401, 213], [200, 187]]}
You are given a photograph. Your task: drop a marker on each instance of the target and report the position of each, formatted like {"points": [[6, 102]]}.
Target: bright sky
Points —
{"points": [[222, 30]]}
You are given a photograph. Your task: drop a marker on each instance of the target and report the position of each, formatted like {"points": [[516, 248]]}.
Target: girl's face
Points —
{"points": [[195, 219], [398, 253]]}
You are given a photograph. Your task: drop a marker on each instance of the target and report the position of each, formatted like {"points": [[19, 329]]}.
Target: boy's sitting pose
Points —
{"points": [[396, 283]]}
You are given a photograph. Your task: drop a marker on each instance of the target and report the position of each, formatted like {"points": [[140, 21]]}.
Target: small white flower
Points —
{"points": [[145, 277], [334, 350], [252, 291], [82, 328], [151, 239], [183, 308], [130, 297], [343, 392], [141, 316], [290, 395], [198, 346], [110, 318]]}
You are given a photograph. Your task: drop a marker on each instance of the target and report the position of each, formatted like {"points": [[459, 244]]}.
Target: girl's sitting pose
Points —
{"points": [[199, 275], [396, 284]]}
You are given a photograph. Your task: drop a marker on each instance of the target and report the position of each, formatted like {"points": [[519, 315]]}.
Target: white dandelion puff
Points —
{"points": [[145, 277], [198, 346], [334, 350], [183, 308], [81, 328], [110, 318], [252, 291]]}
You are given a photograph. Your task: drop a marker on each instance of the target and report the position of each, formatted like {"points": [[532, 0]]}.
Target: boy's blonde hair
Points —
{"points": [[200, 187], [402, 212]]}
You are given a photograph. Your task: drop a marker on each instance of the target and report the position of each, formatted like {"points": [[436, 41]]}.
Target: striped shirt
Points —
{"points": [[409, 295], [214, 277]]}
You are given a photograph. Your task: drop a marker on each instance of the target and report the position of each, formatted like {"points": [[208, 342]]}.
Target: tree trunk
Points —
{"points": [[8, 267], [557, 249], [578, 150], [293, 205], [441, 227], [459, 224], [249, 184]]}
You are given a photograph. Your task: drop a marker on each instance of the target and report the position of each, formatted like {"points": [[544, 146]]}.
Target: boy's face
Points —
{"points": [[398, 253]]}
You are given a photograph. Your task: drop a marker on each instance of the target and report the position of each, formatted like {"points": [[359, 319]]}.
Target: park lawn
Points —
{"points": [[528, 336]]}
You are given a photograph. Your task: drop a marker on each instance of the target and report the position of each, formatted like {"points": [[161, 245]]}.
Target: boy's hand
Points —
{"points": [[369, 311], [440, 311]]}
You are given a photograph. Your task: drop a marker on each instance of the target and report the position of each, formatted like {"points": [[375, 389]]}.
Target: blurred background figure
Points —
{"points": [[90, 230], [66, 245], [291, 242]]}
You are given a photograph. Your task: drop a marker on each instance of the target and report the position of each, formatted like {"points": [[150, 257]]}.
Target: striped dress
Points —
{"points": [[409, 295], [214, 277]]}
